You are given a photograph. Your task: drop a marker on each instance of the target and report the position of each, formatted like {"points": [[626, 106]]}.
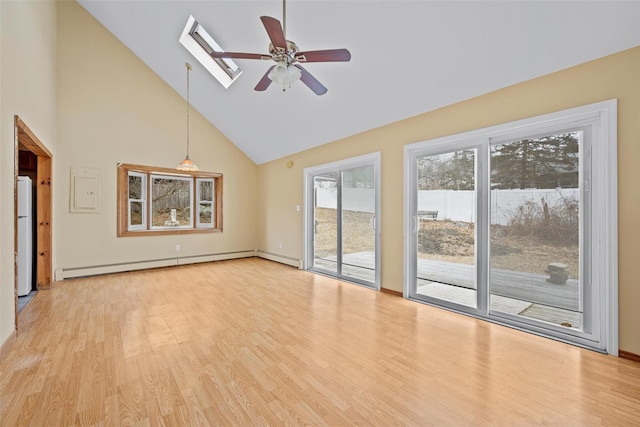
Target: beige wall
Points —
{"points": [[28, 89], [112, 108], [105, 106], [614, 76]]}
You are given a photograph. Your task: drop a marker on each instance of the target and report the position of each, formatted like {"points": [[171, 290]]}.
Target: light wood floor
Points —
{"points": [[252, 342]]}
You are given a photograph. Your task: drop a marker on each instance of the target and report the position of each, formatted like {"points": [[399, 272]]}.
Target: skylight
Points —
{"points": [[200, 44]]}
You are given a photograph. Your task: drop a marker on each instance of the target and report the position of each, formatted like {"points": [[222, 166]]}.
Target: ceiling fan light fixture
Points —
{"points": [[285, 53], [284, 74]]}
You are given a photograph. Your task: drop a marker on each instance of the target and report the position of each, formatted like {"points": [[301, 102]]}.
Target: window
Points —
{"points": [[207, 43], [200, 44], [164, 201], [171, 202], [137, 213], [206, 205]]}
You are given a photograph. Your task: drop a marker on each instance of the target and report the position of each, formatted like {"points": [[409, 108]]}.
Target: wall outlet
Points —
{"points": [[280, 245], [177, 248]]}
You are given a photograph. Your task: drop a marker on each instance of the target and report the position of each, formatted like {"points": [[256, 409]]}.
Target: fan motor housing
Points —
{"points": [[278, 55]]}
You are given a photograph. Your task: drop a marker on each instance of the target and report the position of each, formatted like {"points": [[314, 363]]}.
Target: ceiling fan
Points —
{"points": [[288, 58]]}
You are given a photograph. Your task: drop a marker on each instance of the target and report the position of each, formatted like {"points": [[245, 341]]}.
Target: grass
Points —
{"points": [[358, 234], [443, 240], [453, 241]]}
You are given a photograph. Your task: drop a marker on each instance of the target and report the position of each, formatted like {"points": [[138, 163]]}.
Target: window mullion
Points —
{"points": [[483, 191], [147, 209], [195, 203]]}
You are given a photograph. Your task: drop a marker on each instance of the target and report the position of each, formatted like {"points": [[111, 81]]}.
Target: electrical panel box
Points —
{"points": [[85, 190]]}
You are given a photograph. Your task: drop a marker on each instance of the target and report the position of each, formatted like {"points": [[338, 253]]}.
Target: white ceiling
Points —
{"points": [[408, 57]]}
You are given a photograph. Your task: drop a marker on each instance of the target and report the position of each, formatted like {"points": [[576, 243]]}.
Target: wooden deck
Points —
{"points": [[517, 285], [360, 265], [510, 284], [553, 315], [513, 292]]}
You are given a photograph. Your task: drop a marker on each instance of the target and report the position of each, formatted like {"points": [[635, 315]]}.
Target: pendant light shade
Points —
{"points": [[187, 164]]}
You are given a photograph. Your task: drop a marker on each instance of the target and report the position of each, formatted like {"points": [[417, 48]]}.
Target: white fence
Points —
{"points": [[451, 205], [353, 199]]}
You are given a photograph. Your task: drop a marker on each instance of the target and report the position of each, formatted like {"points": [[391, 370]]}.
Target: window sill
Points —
{"points": [[138, 233]]}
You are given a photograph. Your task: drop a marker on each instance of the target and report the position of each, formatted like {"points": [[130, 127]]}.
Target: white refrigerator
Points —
{"points": [[25, 236]]}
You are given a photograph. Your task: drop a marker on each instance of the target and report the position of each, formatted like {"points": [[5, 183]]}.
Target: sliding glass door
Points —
{"points": [[537, 213], [325, 223], [446, 227], [500, 224], [342, 205]]}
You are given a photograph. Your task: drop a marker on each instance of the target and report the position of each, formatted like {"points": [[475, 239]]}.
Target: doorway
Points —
{"points": [[33, 159], [341, 220], [515, 224]]}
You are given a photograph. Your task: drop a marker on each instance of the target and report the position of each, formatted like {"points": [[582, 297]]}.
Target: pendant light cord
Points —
{"points": [[188, 106]]}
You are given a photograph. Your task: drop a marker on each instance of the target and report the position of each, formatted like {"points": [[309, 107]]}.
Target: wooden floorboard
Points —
{"points": [[254, 342]]}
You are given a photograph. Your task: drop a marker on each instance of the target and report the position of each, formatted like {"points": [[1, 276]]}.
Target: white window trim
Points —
{"points": [[205, 202], [308, 225], [143, 201], [604, 231]]}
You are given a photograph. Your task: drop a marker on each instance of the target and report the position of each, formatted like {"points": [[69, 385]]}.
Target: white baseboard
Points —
{"points": [[294, 262], [215, 257], [69, 273]]}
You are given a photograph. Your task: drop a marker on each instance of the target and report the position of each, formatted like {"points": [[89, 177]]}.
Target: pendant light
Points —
{"points": [[187, 165]]}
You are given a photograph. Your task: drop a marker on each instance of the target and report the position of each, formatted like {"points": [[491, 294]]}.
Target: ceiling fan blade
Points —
{"points": [[239, 55], [274, 30], [330, 55], [265, 81], [311, 81]]}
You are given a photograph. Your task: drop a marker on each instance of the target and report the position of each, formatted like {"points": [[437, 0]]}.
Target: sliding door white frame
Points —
{"points": [[372, 159], [601, 121]]}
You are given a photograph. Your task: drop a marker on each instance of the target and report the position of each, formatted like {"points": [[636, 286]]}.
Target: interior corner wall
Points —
{"points": [[614, 76], [28, 89], [112, 108]]}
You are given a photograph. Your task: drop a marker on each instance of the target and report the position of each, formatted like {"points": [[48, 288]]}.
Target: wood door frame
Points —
{"points": [[24, 136]]}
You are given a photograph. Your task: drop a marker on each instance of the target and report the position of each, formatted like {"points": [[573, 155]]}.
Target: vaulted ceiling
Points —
{"points": [[408, 57]]}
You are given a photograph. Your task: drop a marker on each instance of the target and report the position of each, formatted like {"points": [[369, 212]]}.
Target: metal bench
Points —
{"points": [[428, 214]]}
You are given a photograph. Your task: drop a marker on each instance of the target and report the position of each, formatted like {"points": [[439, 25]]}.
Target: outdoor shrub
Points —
{"points": [[446, 238], [555, 224]]}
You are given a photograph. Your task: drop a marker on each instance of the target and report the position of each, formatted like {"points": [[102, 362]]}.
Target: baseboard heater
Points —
{"points": [[294, 262], [95, 270]]}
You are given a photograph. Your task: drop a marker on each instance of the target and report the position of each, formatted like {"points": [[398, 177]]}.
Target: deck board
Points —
{"points": [[505, 283]]}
